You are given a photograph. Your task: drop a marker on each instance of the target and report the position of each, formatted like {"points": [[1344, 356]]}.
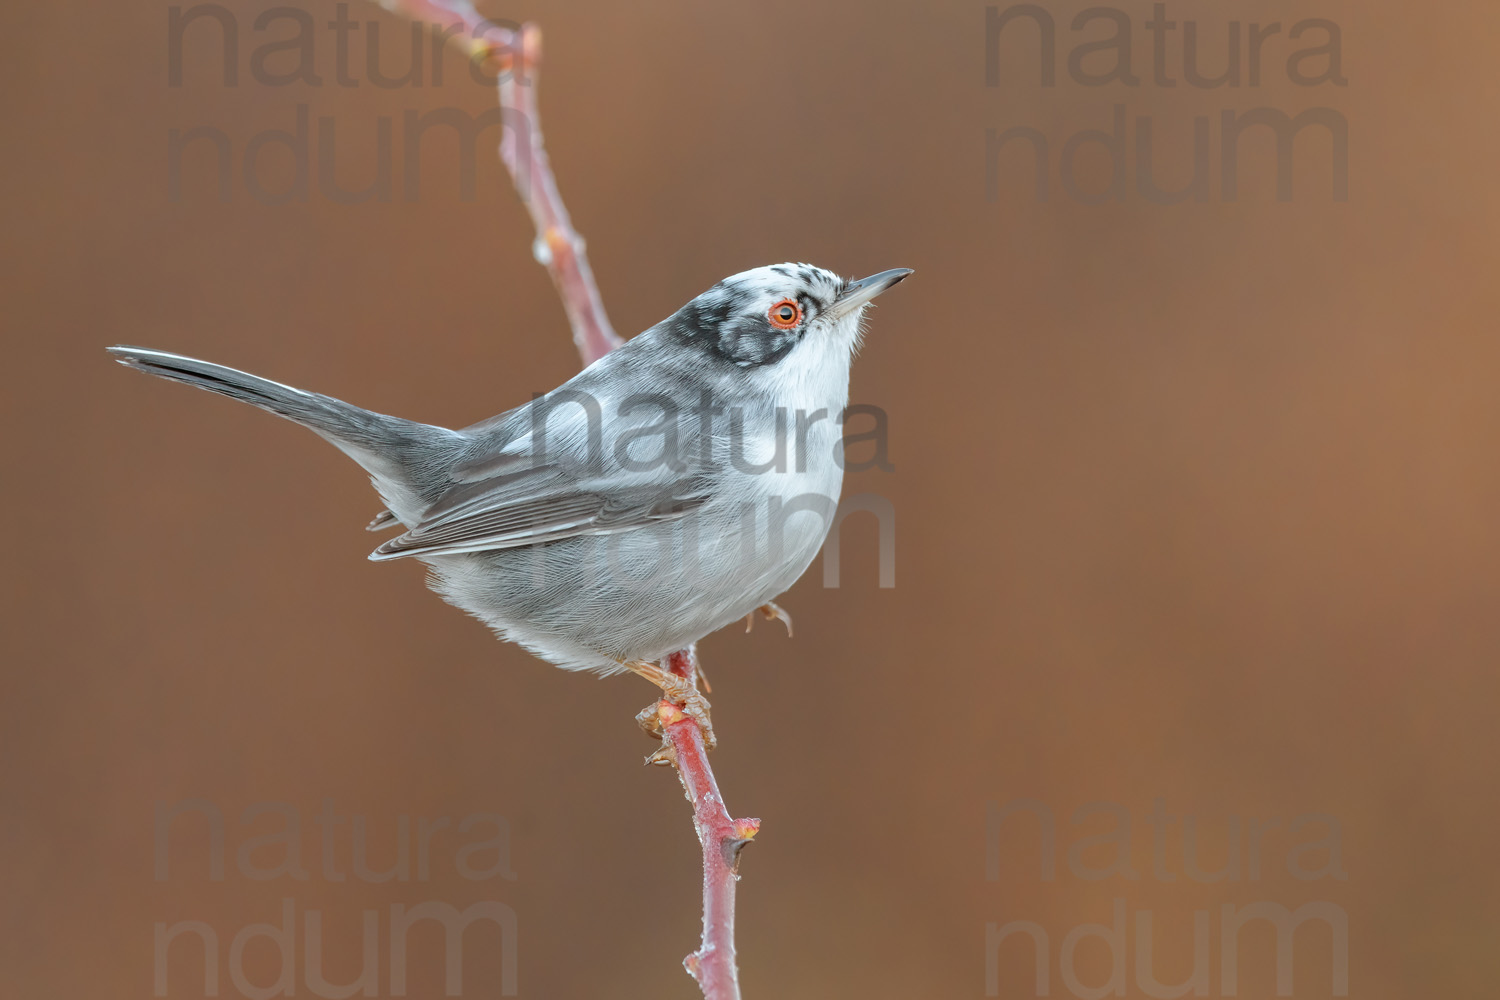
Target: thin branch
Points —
{"points": [[721, 838], [558, 245], [516, 55]]}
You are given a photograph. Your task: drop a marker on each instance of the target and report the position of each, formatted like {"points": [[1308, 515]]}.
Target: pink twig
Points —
{"points": [[721, 838], [558, 244], [517, 55], [450, 15]]}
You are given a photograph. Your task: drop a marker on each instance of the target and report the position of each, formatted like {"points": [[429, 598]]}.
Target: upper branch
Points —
{"points": [[516, 54]]}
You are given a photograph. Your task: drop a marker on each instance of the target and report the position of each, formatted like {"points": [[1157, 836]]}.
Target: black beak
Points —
{"points": [[857, 293]]}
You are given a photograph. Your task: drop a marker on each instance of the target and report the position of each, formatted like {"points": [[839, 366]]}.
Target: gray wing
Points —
{"points": [[515, 486], [511, 523]]}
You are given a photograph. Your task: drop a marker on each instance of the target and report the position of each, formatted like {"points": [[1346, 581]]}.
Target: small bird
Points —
{"points": [[672, 487]]}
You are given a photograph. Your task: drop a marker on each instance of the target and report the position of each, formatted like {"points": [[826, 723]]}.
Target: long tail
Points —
{"points": [[392, 450]]}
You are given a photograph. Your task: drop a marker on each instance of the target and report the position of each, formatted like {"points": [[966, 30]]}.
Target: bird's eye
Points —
{"points": [[785, 314]]}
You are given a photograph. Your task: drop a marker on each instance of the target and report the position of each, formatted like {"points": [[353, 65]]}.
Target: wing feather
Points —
{"points": [[545, 519], [503, 493]]}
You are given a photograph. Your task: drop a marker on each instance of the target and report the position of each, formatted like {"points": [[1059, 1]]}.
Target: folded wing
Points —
{"points": [[510, 490], [485, 525]]}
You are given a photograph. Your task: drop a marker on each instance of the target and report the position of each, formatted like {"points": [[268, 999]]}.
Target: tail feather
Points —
{"points": [[394, 451]]}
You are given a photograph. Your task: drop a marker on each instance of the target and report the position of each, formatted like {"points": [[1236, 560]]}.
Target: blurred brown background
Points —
{"points": [[1195, 503]]}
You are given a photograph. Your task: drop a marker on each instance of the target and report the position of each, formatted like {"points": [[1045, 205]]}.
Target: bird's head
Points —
{"points": [[759, 317]]}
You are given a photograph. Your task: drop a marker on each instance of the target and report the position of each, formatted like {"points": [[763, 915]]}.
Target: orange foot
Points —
{"points": [[681, 692], [772, 612]]}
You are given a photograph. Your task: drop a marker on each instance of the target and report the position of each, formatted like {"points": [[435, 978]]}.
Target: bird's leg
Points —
{"points": [[772, 612], [678, 690]]}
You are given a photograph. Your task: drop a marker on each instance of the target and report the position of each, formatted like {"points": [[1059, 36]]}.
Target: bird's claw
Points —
{"points": [[663, 756], [680, 698], [650, 721], [674, 707], [771, 612]]}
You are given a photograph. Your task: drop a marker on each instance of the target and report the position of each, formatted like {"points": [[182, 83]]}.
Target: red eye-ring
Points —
{"points": [[785, 314]]}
